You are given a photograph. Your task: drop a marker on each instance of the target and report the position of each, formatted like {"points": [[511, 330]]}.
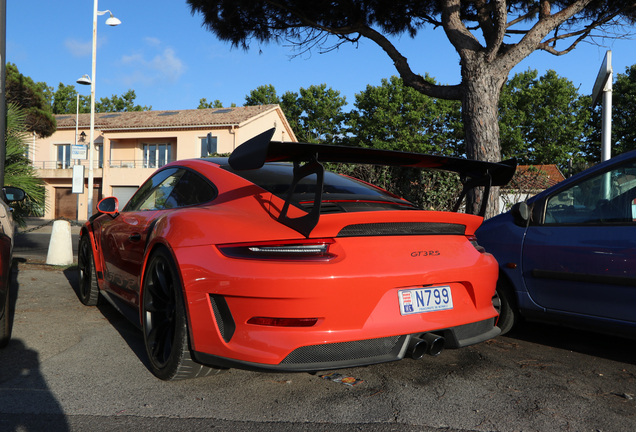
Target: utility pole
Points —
{"points": [[3, 78]]}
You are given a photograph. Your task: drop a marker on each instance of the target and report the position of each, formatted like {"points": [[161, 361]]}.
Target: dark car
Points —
{"points": [[9, 195], [567, 255]]}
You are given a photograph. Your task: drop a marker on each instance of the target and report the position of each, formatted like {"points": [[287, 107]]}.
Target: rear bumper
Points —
{"points": [[356, 353]]}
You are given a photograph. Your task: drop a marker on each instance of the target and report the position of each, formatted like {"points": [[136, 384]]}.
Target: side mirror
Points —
{"points": [[109, 205], [13, 194], [521, 213]]}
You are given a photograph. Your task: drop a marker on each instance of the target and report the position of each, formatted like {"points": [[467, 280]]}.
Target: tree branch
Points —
{"points": [[408, 76], [533, 38], [499, 30], [457, 33], [531, 12]]}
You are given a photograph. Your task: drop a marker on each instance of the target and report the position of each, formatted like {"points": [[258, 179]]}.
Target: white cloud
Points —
{"points": [[165, 66], [78, 48], [152, 41], [170, 64]]}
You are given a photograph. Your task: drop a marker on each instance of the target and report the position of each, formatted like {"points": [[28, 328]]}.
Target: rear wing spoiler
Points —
{"points": [[254, 153]]}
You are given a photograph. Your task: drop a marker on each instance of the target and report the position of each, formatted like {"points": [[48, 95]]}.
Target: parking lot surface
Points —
{"points": [[74, 368]]}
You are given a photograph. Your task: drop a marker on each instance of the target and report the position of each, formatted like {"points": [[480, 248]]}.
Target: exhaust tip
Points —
{"points": [[417, 348], [435, 343]]}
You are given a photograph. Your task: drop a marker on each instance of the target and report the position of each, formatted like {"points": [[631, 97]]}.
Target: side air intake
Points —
{"points": [[223, 317]]}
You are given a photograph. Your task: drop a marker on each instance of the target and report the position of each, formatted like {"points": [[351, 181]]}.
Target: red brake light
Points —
{"points": [[312, 250], [473, 240], [283, 322]]}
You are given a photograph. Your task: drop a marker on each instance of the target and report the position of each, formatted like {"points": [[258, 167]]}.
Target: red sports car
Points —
{"points": [[256, 263]]}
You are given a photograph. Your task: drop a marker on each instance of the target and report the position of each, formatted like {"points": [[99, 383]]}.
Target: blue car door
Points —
{"points": [[581, 257]]}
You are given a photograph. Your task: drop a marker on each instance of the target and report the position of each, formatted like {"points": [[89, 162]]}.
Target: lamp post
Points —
{"points": [[84, 80], [111, 21]]}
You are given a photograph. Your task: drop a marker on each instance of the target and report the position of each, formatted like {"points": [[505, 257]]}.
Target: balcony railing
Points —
{"points": [[63, 165], [124, 163], [115, 163]]}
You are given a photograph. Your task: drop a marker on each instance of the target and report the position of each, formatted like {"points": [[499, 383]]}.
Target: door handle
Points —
{"points": [[134, 237]]}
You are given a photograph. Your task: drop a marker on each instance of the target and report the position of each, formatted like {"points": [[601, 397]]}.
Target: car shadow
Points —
{"points": [[21, 370], [130, 333], [609, 347]]}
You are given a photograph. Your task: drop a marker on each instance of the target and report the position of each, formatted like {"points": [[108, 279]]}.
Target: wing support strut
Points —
{"points": [[255, 152], [304, 224]]}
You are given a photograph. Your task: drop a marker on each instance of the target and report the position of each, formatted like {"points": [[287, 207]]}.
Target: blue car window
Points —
{"points": [[607, 198]]}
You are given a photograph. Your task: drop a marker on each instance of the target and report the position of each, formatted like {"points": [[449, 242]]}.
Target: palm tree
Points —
{"points": [[18, 170]]}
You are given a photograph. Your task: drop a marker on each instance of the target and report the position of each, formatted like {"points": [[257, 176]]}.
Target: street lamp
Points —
{"points": [[111, 21], [84, 80]]}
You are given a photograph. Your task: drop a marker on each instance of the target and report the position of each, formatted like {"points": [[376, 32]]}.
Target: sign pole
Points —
{"points": [[603, 84]]}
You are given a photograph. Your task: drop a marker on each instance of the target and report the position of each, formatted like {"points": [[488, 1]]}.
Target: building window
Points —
{"points": [[157, 155], [63, 156], [208, 149]]}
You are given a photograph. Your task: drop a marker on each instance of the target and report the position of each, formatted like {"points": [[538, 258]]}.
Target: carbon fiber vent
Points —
{"points": [[474, 329], [223, 317], [402, 228], [342, 351]]}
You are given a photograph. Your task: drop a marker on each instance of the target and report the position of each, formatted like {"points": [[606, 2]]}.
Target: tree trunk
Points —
{"points": [[482, 84]]}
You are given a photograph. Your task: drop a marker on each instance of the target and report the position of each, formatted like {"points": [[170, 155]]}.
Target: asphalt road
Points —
{"points": [[76, 368]]}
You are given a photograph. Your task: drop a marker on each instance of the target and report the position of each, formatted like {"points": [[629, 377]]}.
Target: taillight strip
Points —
{"points": [[287, 250]]}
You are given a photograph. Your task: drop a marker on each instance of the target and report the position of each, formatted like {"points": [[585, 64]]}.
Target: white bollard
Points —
{"points": [[60, 245]]}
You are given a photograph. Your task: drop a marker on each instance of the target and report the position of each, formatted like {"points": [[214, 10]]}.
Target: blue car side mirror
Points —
{"points": [[521, 213]]}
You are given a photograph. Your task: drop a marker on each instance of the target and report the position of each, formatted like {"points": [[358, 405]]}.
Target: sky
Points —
{"points": [[162, 52]]}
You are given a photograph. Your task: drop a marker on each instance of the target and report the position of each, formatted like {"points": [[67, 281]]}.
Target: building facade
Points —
{"points": [[130, 146]]}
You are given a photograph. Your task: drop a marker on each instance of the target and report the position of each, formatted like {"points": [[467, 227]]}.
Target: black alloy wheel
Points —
{"points": [[164, 322], [88, 289]]}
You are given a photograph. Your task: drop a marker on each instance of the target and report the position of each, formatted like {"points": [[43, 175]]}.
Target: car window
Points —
{"points": [[277, 178], [153, 194], [606, 198], [191, 189]]}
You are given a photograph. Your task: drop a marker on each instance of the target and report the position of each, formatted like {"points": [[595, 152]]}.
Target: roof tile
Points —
{"points": [[536, 177], [165, 119]]}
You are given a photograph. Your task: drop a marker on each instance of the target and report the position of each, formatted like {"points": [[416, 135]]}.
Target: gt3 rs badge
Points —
{"points": [[415, 254]]}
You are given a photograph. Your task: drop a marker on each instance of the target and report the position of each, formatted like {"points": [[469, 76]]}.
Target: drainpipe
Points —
{"points": [[233, 132]]}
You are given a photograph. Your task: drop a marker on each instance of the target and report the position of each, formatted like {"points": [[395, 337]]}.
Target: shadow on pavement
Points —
{"points": [[581, 341], [127, 330], [26, 401]]}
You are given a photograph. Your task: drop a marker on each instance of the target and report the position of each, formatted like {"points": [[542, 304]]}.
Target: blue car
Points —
{"points": [[568, 255]]}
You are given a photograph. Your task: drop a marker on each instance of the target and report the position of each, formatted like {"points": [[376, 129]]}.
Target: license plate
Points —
{"points": [[420, 300]]}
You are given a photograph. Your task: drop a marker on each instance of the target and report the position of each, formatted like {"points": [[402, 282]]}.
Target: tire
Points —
{"points": [[88, 292], [505, 304], [5, 325], [164, 322]]}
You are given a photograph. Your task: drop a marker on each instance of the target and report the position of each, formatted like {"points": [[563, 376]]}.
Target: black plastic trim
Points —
{"points": [[223, 315], [402, 228], [584, 277], [215, 361]]}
